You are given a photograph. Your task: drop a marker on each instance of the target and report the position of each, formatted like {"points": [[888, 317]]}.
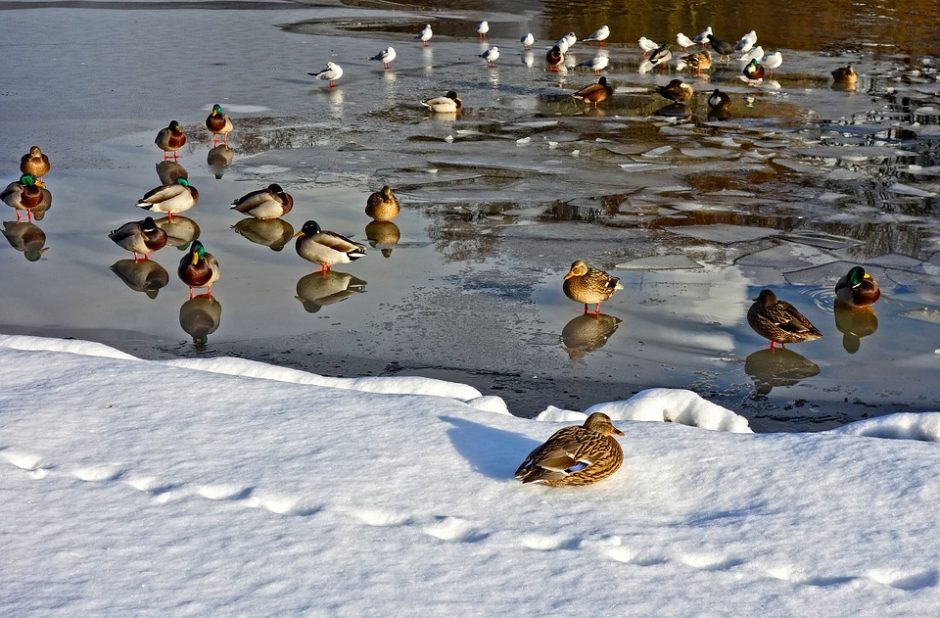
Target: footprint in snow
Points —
{"points": [[25, 461], [454, 529], [98, 473], [377, 517]]}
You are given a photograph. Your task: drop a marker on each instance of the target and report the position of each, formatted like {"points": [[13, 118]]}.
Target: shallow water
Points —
{"points": [[696, 215]]}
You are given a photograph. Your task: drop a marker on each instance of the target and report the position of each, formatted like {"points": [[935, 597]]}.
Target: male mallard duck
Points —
{"points": [[26, 237], [383, 205], [779, 321], [555, 58], [490, 56], [171, 199], [332, 72], [676, 90], [27, 195], [142, 237], [857, 288], [218, 124], [425, 35], [718, 100], [754, 71], [845, 75], [600, 35], [589, 286], [482, 28], [447, 104], [198, 269], [170, 139], [269, 203], [575, 455], [326, 248], [594, 93], [660, 56], [699, 61], [385, 57], [35, 163], [722, 48]]}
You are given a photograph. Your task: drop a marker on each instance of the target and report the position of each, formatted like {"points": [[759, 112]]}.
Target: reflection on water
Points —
{"points": [[317, 289], [169, 171], [219, 158], [273, 233], [26, 237], [588, 333], [854, 324], [778, 367], [383, 235], [145, 276], [180, 231], [200, 317]]}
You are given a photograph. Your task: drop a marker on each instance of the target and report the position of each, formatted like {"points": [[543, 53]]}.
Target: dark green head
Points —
{"points": [[275, 188], [27, 180], [451, 95], [856, 276], [197, 251], [201, 342], [175, 126], [34, 254], [753, 63], [216, 110], [149, 224], [182, 181], [310, 228]]}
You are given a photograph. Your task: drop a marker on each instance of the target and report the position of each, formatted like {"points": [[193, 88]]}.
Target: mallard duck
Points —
{"points": [[575, 455], [676, 90], [198, 269], [779, 321], [425, 35], [845, 75], [555, 58], [269, 203], [219, 159], [332, 72], [482, 28], [383, 205], [142, 237], [722, 48], [490, 56], [718, 100], [754, 71], [27, 195], [746, 42], [218, 124], [683, 41], [699, 61], [170, 139], [146, 276], [200, 316], [35, 163], [600, 35], [594, 93], [171, 199], [26, 237], [857, 288], [326, 248], [589, 286], [316, 291], [447, 104], [385, 57], [271, 233], [383, 235], [773, 61], [660, 55]]}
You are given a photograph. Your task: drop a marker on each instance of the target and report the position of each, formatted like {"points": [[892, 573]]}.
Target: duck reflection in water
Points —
{"points": [[588, 333], [780, 367], [674, 110], [200, 317], [317, 289], [854, 323], [383, 235], [26, 237], [170, 171], [219, 159], [145, 276], [180, 231], [273, 233]]}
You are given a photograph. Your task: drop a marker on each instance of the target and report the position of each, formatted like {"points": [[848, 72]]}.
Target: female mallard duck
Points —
{"points": [[595, 93], [269, 203], [699, 61], [575, 455], [676, 90], [779, 321], [27, 195], [326, 248], [171, 199], [447, 104], [170, 139], [661, 55], [198, 269], [589, 286], [142, 237], [754, 71], [857, 288], [845, 76], [555, 59], [35, 163], [218, 124], [718, 100], [383, 205]]}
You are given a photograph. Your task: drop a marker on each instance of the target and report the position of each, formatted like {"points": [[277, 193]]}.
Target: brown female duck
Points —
{"points": [[779, 321], [589, 286], [383, 205]]}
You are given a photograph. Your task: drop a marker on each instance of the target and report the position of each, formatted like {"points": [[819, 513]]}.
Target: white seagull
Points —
{"points": [[490, 56], [527, 40], [702, 38], [746, 42], [482, 28], [562, 45], [386, 56], [332, 72], [755, 54], [647, 45], [571, 38], [600, 35], [772, 61], [597, 64], [683, 41], [425, 35]]}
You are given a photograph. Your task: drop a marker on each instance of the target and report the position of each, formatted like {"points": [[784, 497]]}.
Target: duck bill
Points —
{"points": [[618, 432], [299, 234], [195, 258], [570, 274]]}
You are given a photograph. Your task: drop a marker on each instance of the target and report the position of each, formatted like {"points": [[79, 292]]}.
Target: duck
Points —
{"points": [[490, 56], [589, 286], [746, 42], [722, 48], [594, 93], [171, 199], [425, 35], [27, 195], [555, 58], [386, 56], [845, 75], [718, 99], [271, 202], [857, 288], [600, 35], [143, 237], [576, 455], [198, 269], [683, 41], [676, 90], [26, 237], [482, 28], [170, 139], [447, 104], [754, 71], [527, 40], [773, 61], [661, 55], [699, 61], [218, 124], [383, 205], [332, 72], [779, 321], [35, 163], [326, 248], [597, 64], [647, 45], [702, 37]]}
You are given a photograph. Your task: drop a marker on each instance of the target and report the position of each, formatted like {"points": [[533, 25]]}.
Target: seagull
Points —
{"points": [[597, 64], [332, 72], [600, 35], [490, 56], [702, 37], [571, 38], [562, 45], [386, 56], [746, 42], [482, 28], [683, 41], [425, 35], [647, 45], [772, 61], [527, 40], [755, 54]]}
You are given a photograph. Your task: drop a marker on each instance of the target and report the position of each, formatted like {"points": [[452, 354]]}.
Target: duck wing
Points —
{"points": [[339, 242], [163, 193]]}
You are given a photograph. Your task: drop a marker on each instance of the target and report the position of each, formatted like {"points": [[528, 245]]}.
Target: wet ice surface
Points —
{"points": [[695, 214]]}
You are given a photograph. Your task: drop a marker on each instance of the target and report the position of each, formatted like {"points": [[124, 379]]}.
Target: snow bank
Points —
{"points": [[72, 346], [908, 426]]}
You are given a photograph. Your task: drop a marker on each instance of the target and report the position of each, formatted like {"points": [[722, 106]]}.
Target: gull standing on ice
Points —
{"points": [[527, 40], [702, 37], [597, 64], [332, 72], [482, 28], [425, 35], [647, 45], [755, 54], [773, 61], [746, 42], [600, 35], [386, 56], [683, 41], [490, 56]]}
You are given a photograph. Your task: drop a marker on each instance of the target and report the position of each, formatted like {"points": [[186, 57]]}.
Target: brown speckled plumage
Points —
{"points": [[589, 286], [779, 321], [383, 205]]}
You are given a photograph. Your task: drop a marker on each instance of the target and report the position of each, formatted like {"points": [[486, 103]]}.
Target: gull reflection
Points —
{"points": [[145, 276], [273, 233], [170, 171], [200, 317], [317, 289], [528, 58], [180, 231], [588, 333], [780, 367], [26, 237], [854, 324], [219, 159]]}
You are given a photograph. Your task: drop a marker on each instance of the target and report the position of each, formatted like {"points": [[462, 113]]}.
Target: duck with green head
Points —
{"points": [[26, 195], [171, 199], [143, 237], [219, 124], [857, 288], [198, 269], [754, 71], [326, 248], [170, 139], [269, 203], [779, 321]]}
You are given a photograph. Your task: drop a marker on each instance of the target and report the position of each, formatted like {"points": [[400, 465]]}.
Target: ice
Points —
{"points": [[724, 233], [902, 189], [660, 262], [657, 152], [237, 108], [709, 153], [785, 256]]}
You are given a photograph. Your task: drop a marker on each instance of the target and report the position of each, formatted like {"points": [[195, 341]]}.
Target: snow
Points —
{"points": [[223, 487]]}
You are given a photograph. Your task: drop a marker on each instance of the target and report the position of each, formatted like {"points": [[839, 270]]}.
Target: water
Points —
{"points": [[695, 214]]}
